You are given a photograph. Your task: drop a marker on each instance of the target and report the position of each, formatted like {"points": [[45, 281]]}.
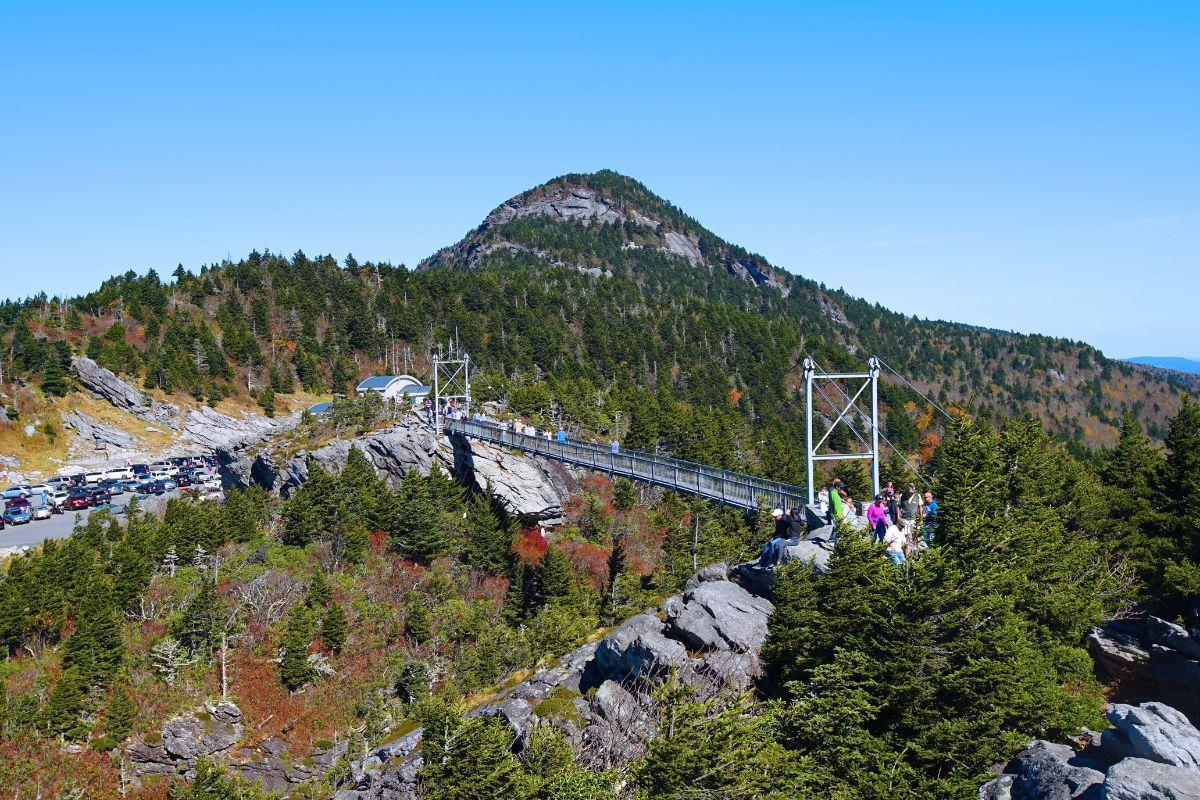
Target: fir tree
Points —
{"points": [[333, 628], [557, 575], [319, 594], [294, 669], [416, 525], [418, 622]]}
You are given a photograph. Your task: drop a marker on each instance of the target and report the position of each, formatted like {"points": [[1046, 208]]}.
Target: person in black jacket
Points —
{"points": [[772, 550]]}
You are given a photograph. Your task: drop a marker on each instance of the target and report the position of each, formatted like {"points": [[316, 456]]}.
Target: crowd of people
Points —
{"points": [[903, 522]]}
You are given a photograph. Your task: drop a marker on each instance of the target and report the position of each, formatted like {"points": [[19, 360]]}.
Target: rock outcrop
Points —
{"points": [[215, 731], [1150, 660], [97, 433], [105, 384], [1151, 752], [207, 732], [213, 430], [531, 489], [600, 695]]}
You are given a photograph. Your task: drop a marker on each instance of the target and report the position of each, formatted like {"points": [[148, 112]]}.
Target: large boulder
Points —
{"points": [[1153, 731], [1142, 779], [1048, 771], [720, 615], [1172, 636], [635, 649]]}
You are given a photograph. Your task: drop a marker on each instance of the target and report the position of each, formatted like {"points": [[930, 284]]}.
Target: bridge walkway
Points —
{"points": [[723, 486]]}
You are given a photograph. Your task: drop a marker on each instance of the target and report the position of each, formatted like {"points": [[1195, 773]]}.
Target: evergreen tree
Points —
{"points": [[418, 622], [557, 575], [333, 629], [61, 714], [319, 594], [489, 540], [416, 525], [465, 757], [294, 669], [198, 629]]}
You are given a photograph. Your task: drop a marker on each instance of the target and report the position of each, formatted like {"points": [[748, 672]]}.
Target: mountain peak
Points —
{"points": [[599, 222]]}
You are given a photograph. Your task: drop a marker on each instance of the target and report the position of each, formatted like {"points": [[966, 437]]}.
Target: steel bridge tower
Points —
{"points": [[813, 379], [451, 382]]}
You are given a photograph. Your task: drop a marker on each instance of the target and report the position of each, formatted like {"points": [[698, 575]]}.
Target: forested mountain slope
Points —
{"points": [[587, 301]]}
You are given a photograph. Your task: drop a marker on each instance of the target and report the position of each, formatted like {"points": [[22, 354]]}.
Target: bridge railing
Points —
{"points": [[733, 488]]}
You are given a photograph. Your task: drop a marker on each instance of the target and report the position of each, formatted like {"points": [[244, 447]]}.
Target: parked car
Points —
{"points": [[18, 490], [93, 477], [183, 480], [151, 486], [77, 499], [133, 485], [39, 505], [118, 473], [169, 484], [113, 485], [17, 511], [58, 499], [99, 496]]}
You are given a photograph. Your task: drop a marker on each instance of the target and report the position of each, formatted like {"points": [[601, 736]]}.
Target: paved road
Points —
{"points": [[59, 526]]}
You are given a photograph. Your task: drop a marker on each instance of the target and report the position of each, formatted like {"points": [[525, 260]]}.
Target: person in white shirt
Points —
{"points": [[894, 540]]}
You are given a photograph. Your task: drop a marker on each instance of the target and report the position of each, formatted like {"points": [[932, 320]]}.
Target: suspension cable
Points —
{"points": [[915, 389], [871, 424]]}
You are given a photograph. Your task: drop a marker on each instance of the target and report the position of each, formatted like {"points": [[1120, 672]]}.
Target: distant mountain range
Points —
{"points": [[1168, 362]]}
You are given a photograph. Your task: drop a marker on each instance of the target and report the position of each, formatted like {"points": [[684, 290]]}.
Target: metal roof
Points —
{"points": [[382, 382], [320, 408]]}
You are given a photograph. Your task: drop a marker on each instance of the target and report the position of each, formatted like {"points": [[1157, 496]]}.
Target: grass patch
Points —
{"points": [[403, 729], [559, 705]]}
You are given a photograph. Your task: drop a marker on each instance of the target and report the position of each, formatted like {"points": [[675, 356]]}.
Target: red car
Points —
{"points": [[77, 499]]}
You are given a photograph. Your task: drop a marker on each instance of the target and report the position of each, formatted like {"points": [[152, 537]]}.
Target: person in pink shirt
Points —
{"points": [[877, 517]]}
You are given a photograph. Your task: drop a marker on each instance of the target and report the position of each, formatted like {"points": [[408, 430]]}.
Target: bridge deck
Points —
{"points": [[723, 486]]}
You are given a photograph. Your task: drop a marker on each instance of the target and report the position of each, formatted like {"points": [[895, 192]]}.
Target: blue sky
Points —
{"points": [[1020, 165]]}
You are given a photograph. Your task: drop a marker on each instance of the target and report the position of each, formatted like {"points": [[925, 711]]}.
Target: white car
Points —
{"points": [[58, 497], [93, 477], [118, 474]]}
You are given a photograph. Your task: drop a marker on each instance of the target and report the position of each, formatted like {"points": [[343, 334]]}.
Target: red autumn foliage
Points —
{"points": [[530, 546], [589, 559]]}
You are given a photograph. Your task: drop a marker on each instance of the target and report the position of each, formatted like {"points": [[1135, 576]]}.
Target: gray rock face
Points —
{"points": [[1152, 731], [1140, 779], [1150, 752], [212, 430], [95, 432], [529, 488], [1048, 771], [1154, 660], [210, 731], [719, 615], [104, 383], [1172, 636], [811, 551]]}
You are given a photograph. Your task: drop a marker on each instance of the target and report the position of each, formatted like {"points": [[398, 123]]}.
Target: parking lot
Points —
{"points": [[58, 526]]}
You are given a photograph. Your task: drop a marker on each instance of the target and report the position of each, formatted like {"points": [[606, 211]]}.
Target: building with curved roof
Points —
{"points": [[392, 387]]}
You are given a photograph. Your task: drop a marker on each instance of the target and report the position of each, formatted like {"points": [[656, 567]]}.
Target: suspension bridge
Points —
{"points": [[452, 390]]}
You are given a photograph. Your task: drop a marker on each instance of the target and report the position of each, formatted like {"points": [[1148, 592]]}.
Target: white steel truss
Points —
{"points": [[814, 377]]}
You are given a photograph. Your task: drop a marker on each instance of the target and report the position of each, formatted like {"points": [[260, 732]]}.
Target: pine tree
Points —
{"points": [[418, 622], [557, 575], [489, 541], [61, 714], [198, 629], [294, 669], [333, 629], [616, 565], [624, 494], [416, 524], [319, 594], [118, 720]]}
